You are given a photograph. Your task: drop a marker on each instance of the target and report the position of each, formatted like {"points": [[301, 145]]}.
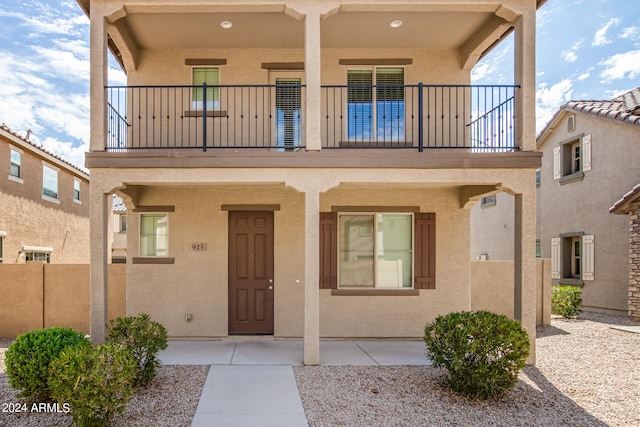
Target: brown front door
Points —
{"points": [[250, 272]]}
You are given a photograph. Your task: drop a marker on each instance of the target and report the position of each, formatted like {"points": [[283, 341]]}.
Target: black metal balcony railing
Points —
{"points": [[477, 118]]}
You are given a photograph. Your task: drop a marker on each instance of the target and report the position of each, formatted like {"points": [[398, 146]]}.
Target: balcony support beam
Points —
{"points": [[525, 76], [99, 79]]}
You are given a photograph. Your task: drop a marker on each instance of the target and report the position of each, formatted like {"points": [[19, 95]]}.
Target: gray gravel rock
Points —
{"points": [[587, 374]]}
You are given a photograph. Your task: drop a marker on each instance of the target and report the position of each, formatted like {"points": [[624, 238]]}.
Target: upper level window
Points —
{"points": [[571, 158], [76, 189], [210, 76], [122, 223], [375, 250], [49, 182], [15, 168], [488, 201], [37, 256], [154, 234], [1, 248], [376, 104]]}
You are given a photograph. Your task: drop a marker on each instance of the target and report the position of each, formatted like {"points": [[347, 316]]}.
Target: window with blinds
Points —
{"points": [[376, 96], [210, 76], [288, 112]]}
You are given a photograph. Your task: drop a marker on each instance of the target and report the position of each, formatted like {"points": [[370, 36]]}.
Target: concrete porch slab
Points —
{"points": [[197, 353], [633, 329], [262, 352], [393, 353]]}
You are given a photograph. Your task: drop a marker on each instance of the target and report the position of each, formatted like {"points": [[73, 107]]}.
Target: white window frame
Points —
{"points": [[563, 268], [122, 219], [374, 109], [79, 184], [19, 152], [46, 166], [2, 236], [576, 257], [37, 252], [375, 249], [141, 215], [212, 105]]}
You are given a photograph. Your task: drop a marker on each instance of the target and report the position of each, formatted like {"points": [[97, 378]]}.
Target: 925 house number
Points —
{"points": [[198, 247]]}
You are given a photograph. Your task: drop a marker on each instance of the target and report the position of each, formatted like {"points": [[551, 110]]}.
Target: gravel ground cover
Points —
{"points": [[587, 374]]}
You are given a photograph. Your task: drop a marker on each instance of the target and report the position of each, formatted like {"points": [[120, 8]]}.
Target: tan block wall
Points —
{"points": [[22, 298], [37, 295]]}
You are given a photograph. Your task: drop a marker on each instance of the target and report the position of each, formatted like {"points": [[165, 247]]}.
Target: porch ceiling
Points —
{"points": [[429, 30]]}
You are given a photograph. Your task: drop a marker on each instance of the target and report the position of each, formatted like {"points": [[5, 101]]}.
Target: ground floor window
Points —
{"points": [[375, 250], [1, 249], [154, 234], [37, 256]]}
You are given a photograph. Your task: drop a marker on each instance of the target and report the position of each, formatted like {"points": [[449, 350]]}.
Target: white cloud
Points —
{"points": [[621, 65], [69, 151], [600, 37], [583, 76], [570, 55], [495, 68], [631, 33], [549, 99]]}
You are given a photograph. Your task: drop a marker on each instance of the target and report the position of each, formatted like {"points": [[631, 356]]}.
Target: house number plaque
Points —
{"points": [[198, 247]]}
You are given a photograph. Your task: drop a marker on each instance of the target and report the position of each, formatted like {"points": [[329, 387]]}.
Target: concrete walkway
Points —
{"points": [[251, 381]]}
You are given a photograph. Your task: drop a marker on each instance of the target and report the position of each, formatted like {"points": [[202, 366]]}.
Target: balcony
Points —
{"points": [[272, 117]]}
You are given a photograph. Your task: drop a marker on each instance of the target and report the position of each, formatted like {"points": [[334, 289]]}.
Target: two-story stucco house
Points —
{"points": [[306, 168], [591, 157], [44, 205]]}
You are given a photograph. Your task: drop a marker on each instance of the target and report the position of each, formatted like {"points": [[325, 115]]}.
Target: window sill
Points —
{"points": [[16, 179], [77, 201], [152, 260], [576, 176], [376, 292], [50, 199], [210, 113], [570, 282]]}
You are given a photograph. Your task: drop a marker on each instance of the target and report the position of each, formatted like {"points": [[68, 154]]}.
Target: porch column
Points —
{"points": [[524, 308], [98, 79], [311, 339], [100, 209], [525, 75], [312, 80]]}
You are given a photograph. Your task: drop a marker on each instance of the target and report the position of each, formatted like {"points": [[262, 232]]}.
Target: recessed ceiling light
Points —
{"points": [[396, 24], [226, 24]]}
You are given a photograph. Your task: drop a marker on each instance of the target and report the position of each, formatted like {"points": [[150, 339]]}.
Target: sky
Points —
{"points": [[586, 49]]}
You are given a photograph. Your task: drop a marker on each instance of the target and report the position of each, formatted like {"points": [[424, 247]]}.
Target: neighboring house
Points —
{"points": [[629, 205], [119, 236], [44, 205], [590, 157], [306, 169]]}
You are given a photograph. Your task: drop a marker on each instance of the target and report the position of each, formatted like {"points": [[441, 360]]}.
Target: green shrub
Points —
{"points": [[144, 338], [27, 359], [482, 351], [566, 301], [96, 382]]}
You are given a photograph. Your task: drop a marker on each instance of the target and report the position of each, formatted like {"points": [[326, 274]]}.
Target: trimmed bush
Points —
{"points": [[27, 359], [566, 301], [96, 382], [482, 351], [144, 338]]}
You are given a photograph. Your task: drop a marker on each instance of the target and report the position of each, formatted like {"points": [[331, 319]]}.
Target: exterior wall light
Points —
{"points": [[226, 24], [396, 24]]}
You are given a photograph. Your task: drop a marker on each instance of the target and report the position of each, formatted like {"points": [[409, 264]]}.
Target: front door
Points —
{"points": [[250, 272]]}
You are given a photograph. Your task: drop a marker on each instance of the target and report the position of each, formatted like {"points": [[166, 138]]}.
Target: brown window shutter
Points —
{"points": [[328, 250], [425, 251]]}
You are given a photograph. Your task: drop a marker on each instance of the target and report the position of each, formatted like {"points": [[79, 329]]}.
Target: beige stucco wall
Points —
{"points": [[196, 283], [492, 288], [28, 219], [38, 295], [492, 229], [583, 206]]}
